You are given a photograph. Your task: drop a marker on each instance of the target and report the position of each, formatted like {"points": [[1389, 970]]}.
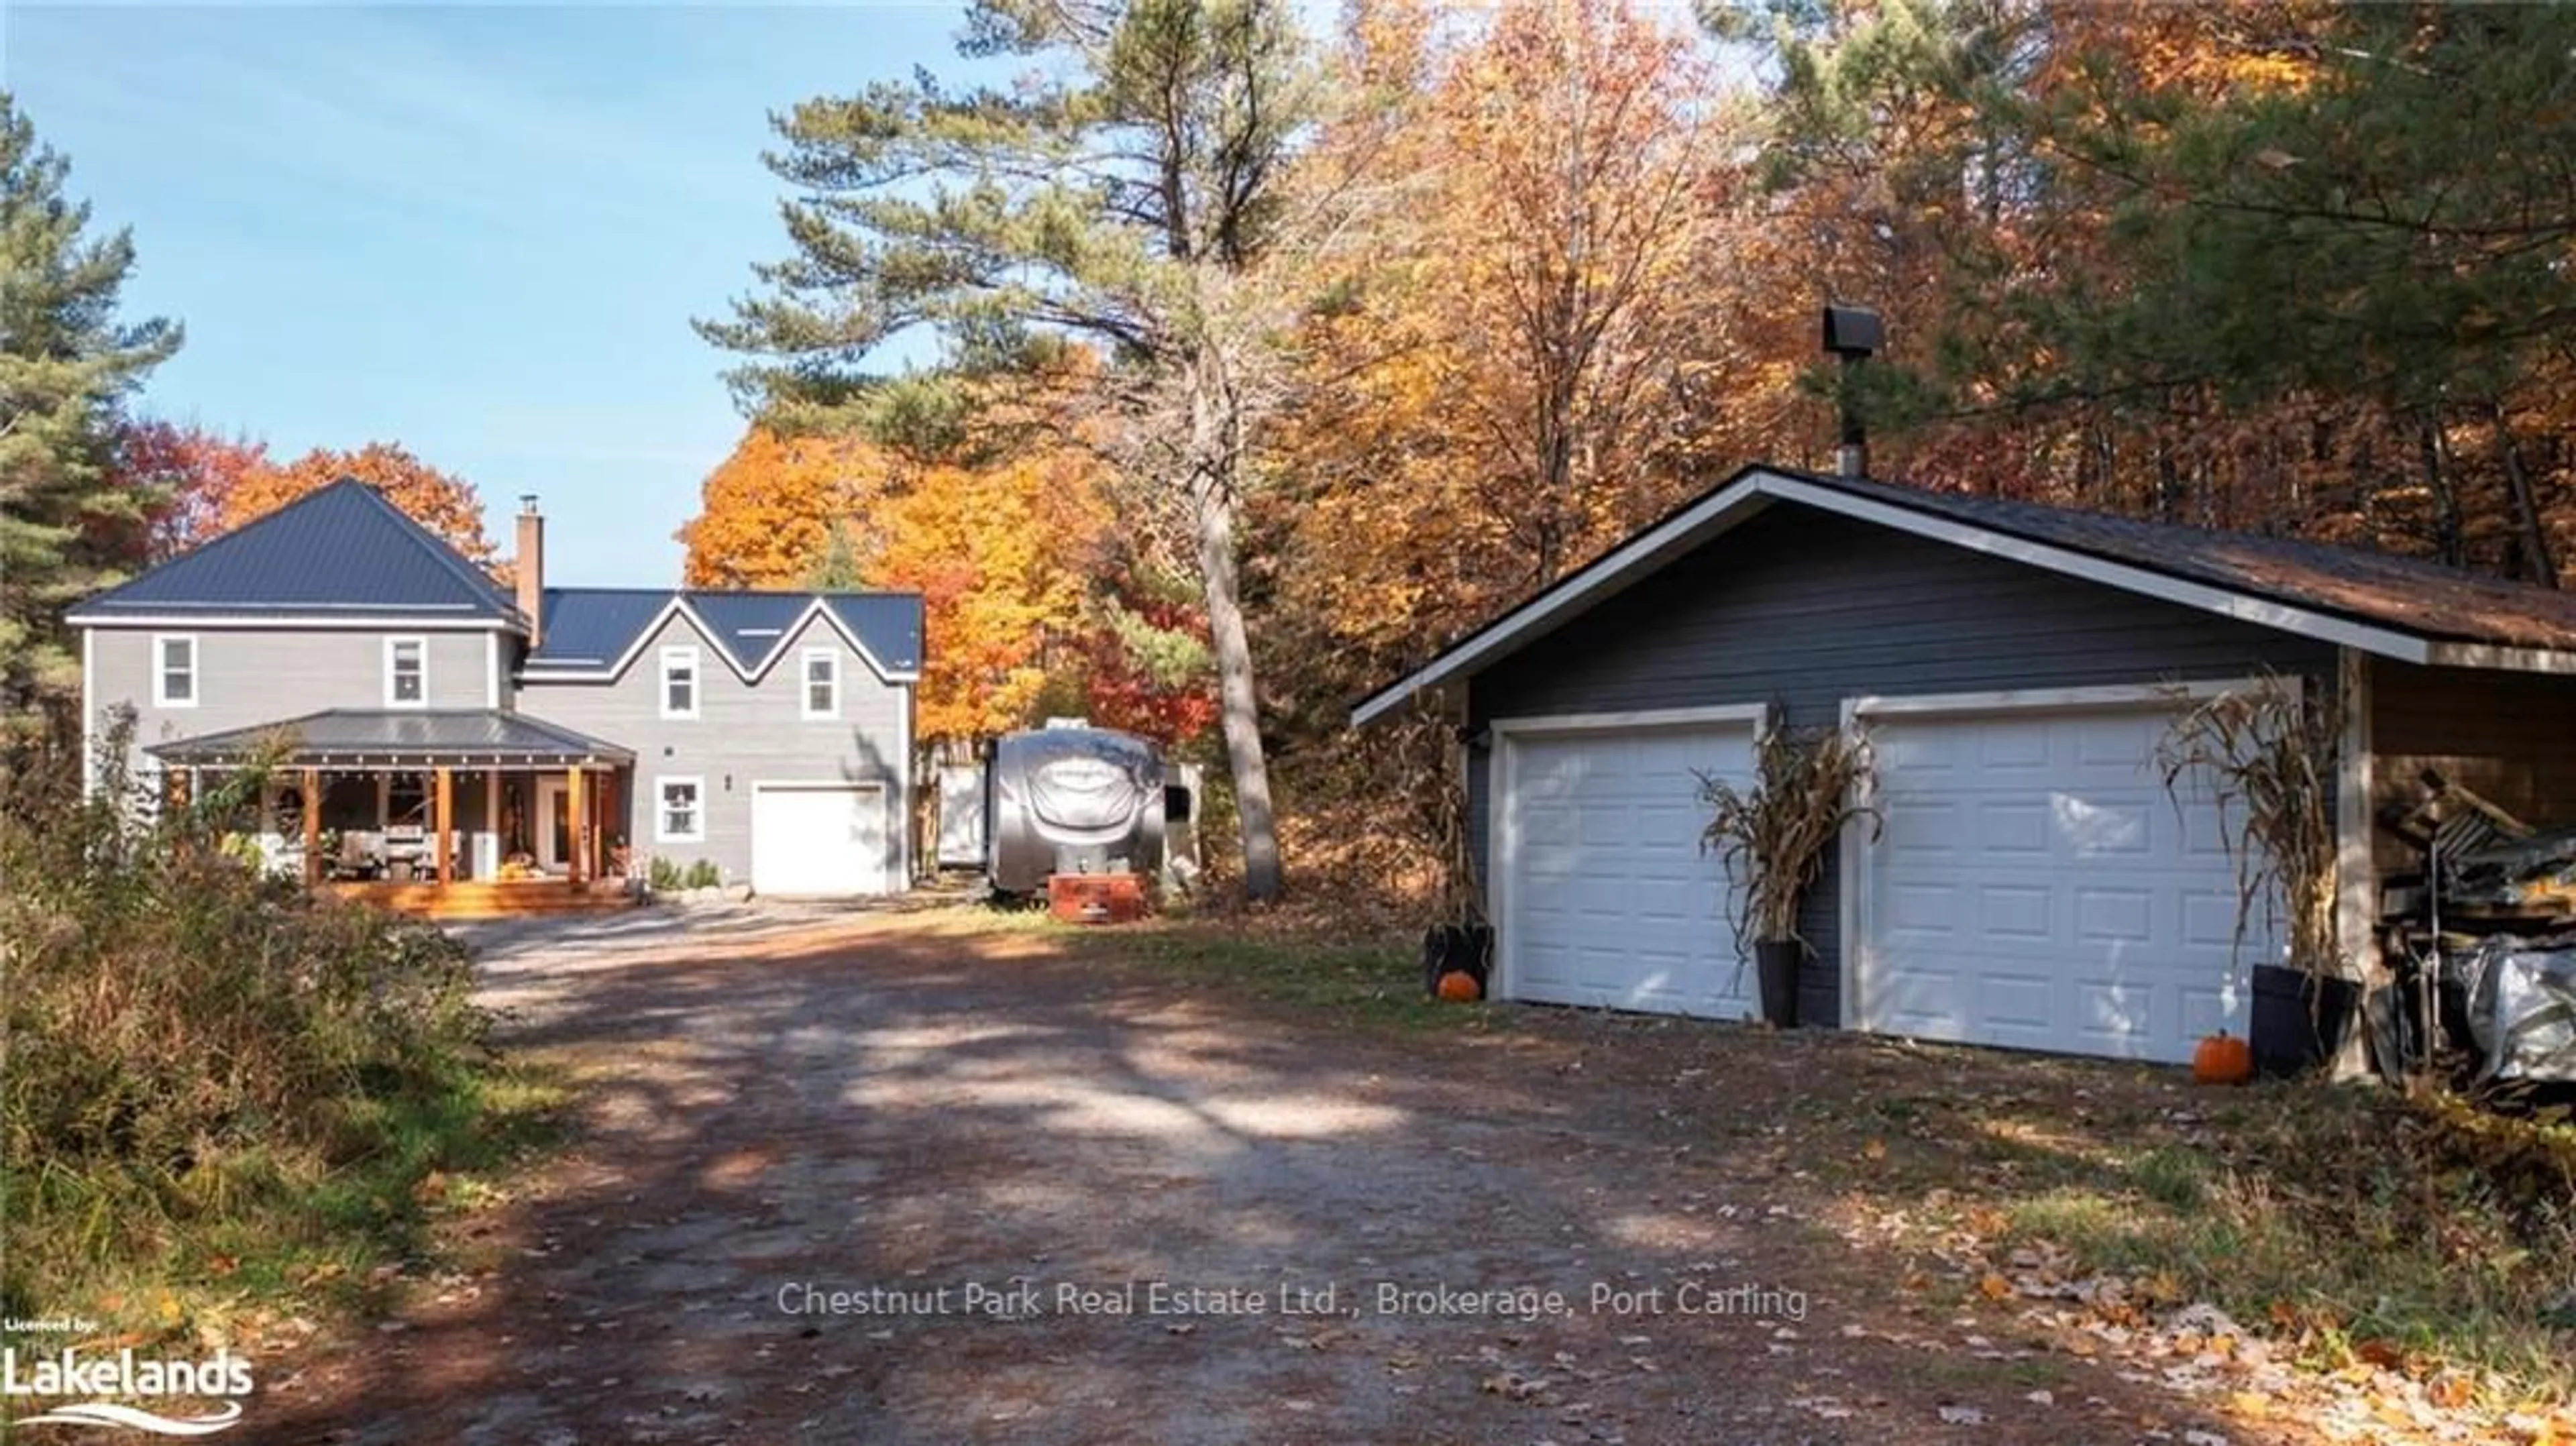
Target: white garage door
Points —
{"points": [[2036, 887], [1606, 899], [819, 839]]}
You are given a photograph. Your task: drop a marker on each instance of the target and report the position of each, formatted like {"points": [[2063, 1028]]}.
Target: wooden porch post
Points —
{"points": [[578, 808], [607, 817], [445, 806], [492, 817], [312, 828]]}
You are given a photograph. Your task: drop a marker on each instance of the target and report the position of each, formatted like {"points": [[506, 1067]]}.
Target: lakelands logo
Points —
{"points": [[67, 1372]]}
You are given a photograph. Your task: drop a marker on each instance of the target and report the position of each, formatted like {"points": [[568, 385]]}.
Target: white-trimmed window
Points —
{"points": [[822, 680], [679, 810], [679, 682], [174, 670], [406, 672]]}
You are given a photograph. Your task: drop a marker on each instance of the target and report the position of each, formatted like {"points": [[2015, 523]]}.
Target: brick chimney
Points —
{"points": [[528, 566]]}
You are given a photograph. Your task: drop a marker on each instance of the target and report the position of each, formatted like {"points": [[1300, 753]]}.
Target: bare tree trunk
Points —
{"points": [[2447, 543], [2534, 535], [2169, 488], [1212, 464]]}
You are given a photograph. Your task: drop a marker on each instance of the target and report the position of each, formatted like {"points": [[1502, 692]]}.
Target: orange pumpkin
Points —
{"points": [[1460, 987], [2222, 1058]]}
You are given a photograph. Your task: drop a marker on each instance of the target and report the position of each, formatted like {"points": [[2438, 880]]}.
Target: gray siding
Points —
{"points": [[744, 733], [1806, 609], [250, 676]]}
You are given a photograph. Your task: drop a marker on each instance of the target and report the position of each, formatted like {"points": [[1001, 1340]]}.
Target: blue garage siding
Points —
{"points": [[1807, 608]]}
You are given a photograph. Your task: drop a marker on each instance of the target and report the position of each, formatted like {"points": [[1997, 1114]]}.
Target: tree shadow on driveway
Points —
{"points": [[996, 1145]]}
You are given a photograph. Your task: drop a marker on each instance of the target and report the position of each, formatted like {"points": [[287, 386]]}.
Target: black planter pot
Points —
{"points": [[1776, 962], [2300, 1020], [1468, 947]]}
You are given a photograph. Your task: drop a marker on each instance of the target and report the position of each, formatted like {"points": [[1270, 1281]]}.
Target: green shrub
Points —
{"points": [[703, 874], [665, 875], [192, 1045]]}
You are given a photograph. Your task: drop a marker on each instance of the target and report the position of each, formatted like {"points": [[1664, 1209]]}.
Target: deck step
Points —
{"points": [[487, 898]]}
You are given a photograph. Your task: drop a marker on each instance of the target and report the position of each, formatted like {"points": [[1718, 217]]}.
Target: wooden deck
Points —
{"points": [[488, 898]]}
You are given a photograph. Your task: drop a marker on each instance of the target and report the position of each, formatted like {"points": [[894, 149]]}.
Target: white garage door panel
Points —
{"points": [[2036, 887], [826, 840], [1608, 900]]}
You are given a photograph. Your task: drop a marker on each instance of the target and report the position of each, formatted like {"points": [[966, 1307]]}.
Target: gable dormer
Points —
{"points": [[597, 634]]}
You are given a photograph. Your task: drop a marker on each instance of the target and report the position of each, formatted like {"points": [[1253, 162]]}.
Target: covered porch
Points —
{"points": [[450, 814]]}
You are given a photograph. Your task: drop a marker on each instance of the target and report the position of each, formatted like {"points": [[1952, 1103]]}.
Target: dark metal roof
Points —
{"points": [[751, 625], [478, 736], [2390, 604], [341, 551], [889, 623], [2422, 598], [589, 629], [592, 627]]}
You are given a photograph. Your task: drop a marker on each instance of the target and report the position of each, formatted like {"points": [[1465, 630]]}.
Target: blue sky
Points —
{"points": [[479, 231]]}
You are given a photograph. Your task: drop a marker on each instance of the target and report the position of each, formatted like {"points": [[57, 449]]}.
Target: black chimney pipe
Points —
{"points": [[1853, 333]]}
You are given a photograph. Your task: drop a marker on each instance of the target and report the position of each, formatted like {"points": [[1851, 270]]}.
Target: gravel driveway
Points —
{"points": [[853, 1177]]}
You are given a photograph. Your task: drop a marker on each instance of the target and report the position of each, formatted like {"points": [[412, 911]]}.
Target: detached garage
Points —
{"points": [[2014, 665], [1610, 902], [2034, 885]]}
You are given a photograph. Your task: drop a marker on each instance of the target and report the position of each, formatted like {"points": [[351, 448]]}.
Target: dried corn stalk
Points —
{"points": [[2267, 754], [1772, 837]]}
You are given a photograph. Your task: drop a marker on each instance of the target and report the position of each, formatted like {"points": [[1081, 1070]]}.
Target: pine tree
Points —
{"points": [[66, 363], [1124, 195], [837, 570], [2394, 232]]}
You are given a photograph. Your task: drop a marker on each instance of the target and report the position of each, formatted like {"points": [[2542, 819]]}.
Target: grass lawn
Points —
{"points": [[1371, 978], [2353, 1224], [249, 1248], [2346, 1224]]}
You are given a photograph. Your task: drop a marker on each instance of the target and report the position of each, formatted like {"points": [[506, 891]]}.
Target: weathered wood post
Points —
{"points": [[578, 809], [312, 828], [445, 803]]}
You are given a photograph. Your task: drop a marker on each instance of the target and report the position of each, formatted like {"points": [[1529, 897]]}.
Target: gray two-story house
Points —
{"points": [[421, 724]]}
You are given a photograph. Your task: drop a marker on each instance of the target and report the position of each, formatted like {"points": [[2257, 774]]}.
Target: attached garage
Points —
{"points": [[820, 840], [2014, 666], [1606, 899]]}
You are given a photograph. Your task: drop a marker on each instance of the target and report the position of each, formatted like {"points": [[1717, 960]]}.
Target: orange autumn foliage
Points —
{"points": [[443, 503], [1539, 340], [1012, 559], [767, 514], [996, 554], [193, 471]]}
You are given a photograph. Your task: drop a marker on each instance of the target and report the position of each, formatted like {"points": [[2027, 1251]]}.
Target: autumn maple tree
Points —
{"points": [[189, 474], [995, 552], [1532, 345], [1027, 593], [769, 514], [443, 503]]}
